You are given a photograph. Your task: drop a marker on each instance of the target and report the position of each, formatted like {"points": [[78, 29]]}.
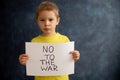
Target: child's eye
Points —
{"points": [[42, 20], [50, 19]]}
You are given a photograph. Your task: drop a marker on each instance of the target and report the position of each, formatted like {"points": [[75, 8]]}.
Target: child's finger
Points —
{"points": [[23, 56], [76, 55], [23, 61]]}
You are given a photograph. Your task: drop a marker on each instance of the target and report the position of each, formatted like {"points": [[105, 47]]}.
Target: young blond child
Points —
{"points": [[47, 17]]}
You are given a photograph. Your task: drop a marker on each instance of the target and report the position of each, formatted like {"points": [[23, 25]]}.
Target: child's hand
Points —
{"points": [[75, 54], [23, 59]]}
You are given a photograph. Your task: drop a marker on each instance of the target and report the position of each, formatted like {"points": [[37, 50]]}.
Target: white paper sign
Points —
{"points": [[49, 59]]}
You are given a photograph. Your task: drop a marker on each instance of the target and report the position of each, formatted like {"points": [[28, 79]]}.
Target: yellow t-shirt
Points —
{"points": [[57, 38]]}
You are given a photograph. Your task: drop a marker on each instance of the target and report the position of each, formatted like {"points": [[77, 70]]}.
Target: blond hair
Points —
{"points": [[47, 5]]}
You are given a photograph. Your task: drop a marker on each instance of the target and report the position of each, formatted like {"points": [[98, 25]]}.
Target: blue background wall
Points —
{"points": [[94, 25]]}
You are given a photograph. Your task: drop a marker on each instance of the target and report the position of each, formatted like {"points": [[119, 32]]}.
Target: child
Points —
{"points": [[47, 17]]}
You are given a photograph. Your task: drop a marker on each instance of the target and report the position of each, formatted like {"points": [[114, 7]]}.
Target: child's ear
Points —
{"points": [[58, 20]]}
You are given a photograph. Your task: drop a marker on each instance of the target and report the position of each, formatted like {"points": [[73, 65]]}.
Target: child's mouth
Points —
{"points": [[46, 29]]}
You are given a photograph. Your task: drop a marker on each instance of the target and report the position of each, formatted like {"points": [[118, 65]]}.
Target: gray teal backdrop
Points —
{"points": [[94, 25]]}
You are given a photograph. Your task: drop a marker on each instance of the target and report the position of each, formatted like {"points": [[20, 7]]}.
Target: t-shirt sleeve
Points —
{"points": [[67, 39], [34, 39]]}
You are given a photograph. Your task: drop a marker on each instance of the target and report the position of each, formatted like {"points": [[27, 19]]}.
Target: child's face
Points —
{"points": [[47, 21]]}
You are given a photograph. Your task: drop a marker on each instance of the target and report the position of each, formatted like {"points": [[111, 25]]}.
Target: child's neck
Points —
{"points": [[49, 34]]}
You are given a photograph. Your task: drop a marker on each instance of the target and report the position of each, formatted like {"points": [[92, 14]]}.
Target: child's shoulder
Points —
{"points": [[62, 36], [35, 38]]}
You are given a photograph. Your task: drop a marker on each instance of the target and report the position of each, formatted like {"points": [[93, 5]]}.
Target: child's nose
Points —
{"points": [[46, 22]]}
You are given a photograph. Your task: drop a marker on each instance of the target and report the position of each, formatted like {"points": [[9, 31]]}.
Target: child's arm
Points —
{"points": [[76, 55], [23, 59]]}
